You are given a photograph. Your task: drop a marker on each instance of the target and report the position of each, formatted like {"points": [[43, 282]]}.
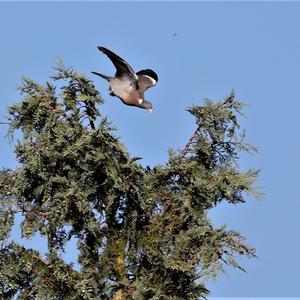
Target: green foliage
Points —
{"points": [[141, 233]]}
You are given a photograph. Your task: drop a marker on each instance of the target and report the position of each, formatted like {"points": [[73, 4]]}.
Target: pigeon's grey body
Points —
{"points": [[128, 85]]}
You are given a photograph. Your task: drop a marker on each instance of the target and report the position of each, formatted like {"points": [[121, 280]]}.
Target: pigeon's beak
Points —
{"points": [[150, 110]]}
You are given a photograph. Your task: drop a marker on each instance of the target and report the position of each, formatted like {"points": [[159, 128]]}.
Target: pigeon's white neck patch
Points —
{"points": [[152, 79]]}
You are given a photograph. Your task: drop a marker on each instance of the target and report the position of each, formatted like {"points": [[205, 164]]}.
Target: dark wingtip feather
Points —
{"points": [[105, 50], [102, 49]]}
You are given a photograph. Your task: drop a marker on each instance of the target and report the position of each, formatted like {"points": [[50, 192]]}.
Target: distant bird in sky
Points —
{"points": [[128, 85]]}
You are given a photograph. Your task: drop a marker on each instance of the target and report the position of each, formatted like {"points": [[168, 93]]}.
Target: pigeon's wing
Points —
{"points": [[147, 78], [145, 82], [123, 68]]}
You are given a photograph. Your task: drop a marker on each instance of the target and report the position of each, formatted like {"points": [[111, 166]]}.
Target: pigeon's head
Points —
{"points": [[148, 72], [146, 105]]}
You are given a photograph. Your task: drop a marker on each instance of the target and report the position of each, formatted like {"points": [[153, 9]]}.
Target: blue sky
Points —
{"points": [[198, 49]]}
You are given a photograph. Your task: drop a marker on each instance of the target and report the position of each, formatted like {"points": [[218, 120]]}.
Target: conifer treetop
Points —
{"points": [[141, 232]]}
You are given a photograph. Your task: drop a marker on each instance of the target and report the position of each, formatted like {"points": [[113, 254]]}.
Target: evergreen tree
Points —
{"points": [[142, 233]]}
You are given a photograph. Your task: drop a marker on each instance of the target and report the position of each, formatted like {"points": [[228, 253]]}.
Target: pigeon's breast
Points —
{"points": [[125, 90]]}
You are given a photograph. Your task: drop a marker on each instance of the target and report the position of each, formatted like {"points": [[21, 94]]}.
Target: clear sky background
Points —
{"points": [[198, 50]]}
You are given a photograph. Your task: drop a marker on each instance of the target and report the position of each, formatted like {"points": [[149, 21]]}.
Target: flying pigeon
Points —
{"points": [[128, 85]]}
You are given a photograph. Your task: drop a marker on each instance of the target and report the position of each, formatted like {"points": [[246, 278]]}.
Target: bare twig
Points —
{"points": [[188, 144]]}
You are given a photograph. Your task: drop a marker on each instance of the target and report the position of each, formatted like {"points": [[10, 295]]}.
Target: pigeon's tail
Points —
{"points": [[103, 76]]}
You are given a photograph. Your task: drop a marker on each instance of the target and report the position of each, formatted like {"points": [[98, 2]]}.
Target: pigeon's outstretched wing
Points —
{"points": [[147, 79], [123, 68]]}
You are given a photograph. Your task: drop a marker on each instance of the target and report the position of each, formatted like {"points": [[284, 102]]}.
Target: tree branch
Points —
{"points": [[188, 144]]}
